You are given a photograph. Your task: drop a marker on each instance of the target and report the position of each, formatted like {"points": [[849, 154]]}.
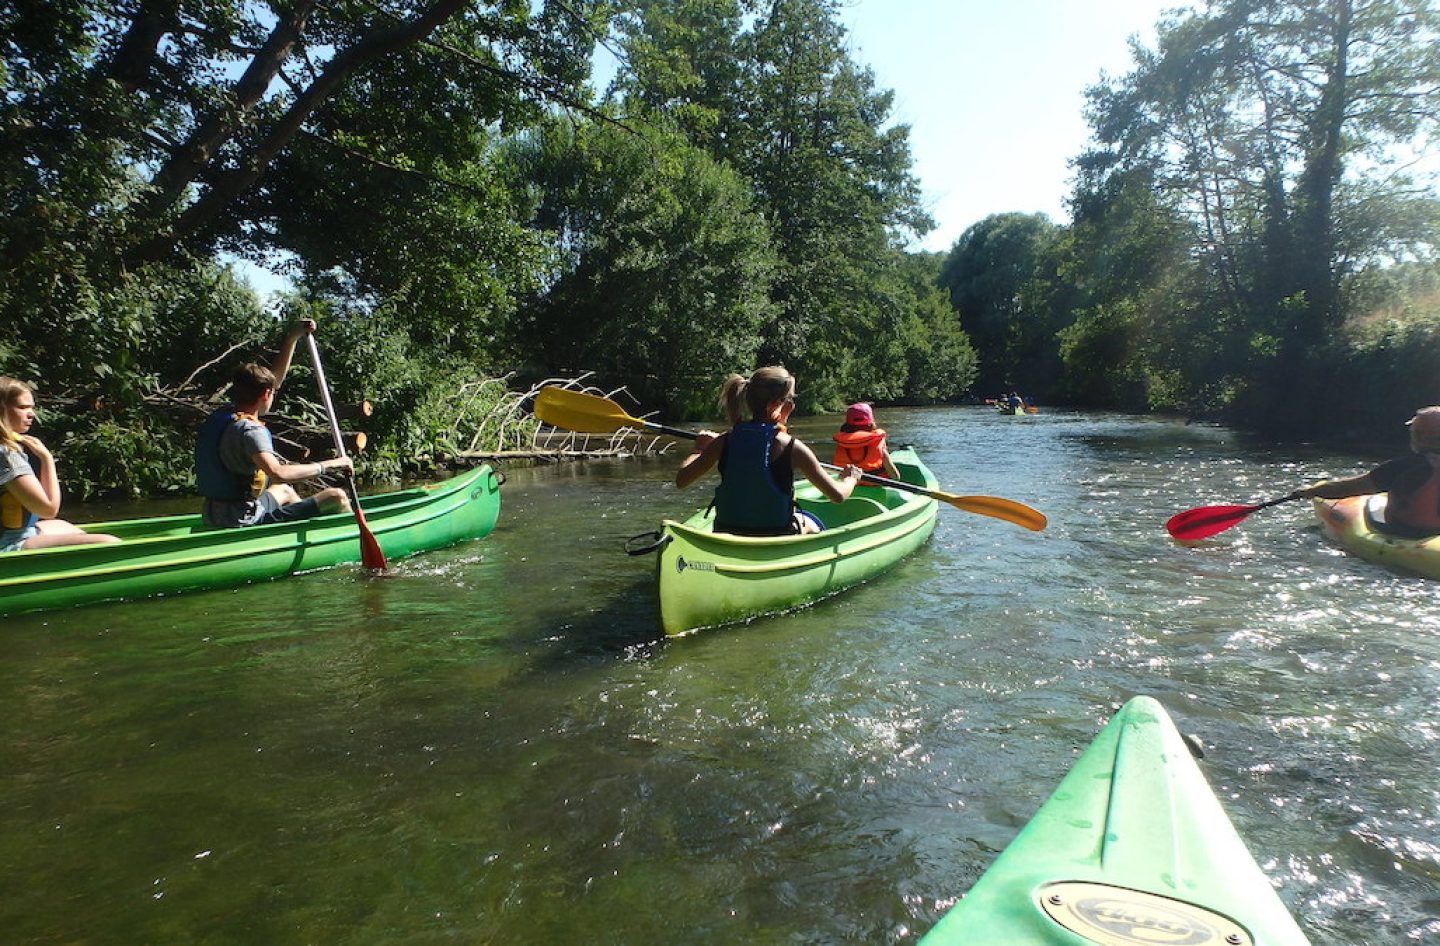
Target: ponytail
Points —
{"points": [[755, 393], [732, 397]]}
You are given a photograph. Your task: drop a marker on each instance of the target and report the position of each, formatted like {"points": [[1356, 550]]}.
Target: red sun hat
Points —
{"points": [[860, 415]]}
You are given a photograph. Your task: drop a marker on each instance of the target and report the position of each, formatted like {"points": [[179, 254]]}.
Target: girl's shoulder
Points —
{"points": [[13, 461]]}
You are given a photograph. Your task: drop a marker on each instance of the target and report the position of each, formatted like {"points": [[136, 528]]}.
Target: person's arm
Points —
{"points": [[703, 457], [39, 491], [281, 365], [1339, 489], [889, 468], [281, 472], [808, 466]]}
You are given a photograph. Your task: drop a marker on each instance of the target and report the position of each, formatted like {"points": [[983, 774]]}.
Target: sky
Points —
{"points": [[993, 92]]}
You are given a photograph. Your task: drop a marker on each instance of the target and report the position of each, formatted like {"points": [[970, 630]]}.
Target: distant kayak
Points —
{"points": [[1132, 848], [1354, 523]]}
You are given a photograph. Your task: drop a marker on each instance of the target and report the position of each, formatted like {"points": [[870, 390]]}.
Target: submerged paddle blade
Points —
{"points": [[371, 555], [997, 508], [581, 412], [1205, 521]]}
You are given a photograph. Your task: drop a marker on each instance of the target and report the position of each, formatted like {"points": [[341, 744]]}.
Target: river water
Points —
{"points": [[492, 746]]}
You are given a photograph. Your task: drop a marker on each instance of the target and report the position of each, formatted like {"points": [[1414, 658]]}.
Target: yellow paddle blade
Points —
{"points": [[997, 508], [581, 412]]}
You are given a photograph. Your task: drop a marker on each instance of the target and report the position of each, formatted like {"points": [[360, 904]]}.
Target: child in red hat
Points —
{"points": [[862, 443]]}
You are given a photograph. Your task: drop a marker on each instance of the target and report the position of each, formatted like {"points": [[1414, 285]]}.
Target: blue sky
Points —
{"points": [[993, 93]]}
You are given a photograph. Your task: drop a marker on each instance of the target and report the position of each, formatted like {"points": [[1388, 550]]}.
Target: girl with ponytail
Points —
{"points": [[758, 460]]}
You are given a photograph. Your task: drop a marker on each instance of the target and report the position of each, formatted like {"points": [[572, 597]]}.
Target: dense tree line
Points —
{"points": [[1254, 228], [454, 198]]}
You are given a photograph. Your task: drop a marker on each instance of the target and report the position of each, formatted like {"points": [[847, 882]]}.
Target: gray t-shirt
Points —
{"points": [[14, 464]]}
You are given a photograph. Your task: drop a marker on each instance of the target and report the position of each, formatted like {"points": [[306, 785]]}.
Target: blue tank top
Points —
{"points": [[756, 495]]}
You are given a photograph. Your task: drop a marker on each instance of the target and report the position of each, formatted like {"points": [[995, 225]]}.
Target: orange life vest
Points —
{"points": [[864, 448], [1419, 508]]}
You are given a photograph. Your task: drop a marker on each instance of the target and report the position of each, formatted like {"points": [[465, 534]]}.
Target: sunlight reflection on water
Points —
{"points": [[498, 729]]}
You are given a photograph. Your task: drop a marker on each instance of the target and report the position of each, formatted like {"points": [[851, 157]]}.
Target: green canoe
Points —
{"points": [[1133, 848], [170, 554], [1355, 524], [708, 578]]}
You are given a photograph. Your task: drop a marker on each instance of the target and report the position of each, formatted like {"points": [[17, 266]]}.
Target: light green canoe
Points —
{"points": [[1133, 848], [170, 554], [707, 578]]}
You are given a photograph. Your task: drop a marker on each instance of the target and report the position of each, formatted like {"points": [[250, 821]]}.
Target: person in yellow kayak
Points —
{"points": [[29, 484], [758, 460], [862, 443], [1412, 482], [244, 481]]}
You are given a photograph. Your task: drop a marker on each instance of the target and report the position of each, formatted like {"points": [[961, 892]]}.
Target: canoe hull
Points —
{"points": [[1346, 523], [1132, 847], [173, 554], [707, 579]]}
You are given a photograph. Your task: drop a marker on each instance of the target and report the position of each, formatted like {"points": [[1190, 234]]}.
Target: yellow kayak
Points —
{"points": [[1355, 524]]}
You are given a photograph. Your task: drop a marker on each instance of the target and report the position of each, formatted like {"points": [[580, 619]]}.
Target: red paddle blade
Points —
{"points": [[371, 555], [1204, 521]]}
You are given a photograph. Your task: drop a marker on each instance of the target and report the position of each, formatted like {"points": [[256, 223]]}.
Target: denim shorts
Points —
{"points": [[12, 539], [260, 512]]}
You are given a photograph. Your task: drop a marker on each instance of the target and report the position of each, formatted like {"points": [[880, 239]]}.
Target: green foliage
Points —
{"points": [[664, 285], [1275, 137], [130, 456], [993, 275], [424, 405]]}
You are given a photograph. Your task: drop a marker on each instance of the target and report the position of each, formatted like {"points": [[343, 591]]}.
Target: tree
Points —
{"points": [[782, 103], [987, 274], [1274, 124], [663, 284]]}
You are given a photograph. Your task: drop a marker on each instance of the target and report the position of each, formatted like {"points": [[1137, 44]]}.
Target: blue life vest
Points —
{"points": [[212, 477], [750, 499]]}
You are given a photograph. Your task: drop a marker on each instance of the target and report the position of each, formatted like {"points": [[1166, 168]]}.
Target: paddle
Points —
{"points": [[371, 555], [593, 414], [1204, 521]]}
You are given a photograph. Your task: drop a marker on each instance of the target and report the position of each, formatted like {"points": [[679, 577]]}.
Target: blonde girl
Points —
{"points": [[758, 461], [29, 486]]}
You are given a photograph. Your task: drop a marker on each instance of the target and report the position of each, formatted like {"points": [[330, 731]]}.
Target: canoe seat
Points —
{"points": [[838, 514]]}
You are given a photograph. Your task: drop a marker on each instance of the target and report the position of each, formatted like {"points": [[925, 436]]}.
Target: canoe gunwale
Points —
{"points": [[411, 520]]}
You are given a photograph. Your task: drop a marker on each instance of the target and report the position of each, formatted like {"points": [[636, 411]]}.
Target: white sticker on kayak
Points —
{"points": [[1119, 916], [681, 564]]}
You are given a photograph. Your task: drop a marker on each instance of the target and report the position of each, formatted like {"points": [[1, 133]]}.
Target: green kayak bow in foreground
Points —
{"points": [[1132, 848]]}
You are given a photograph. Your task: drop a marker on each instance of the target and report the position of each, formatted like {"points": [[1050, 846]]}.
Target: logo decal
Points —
{"points": [[681, 565], [1116, 916]]}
